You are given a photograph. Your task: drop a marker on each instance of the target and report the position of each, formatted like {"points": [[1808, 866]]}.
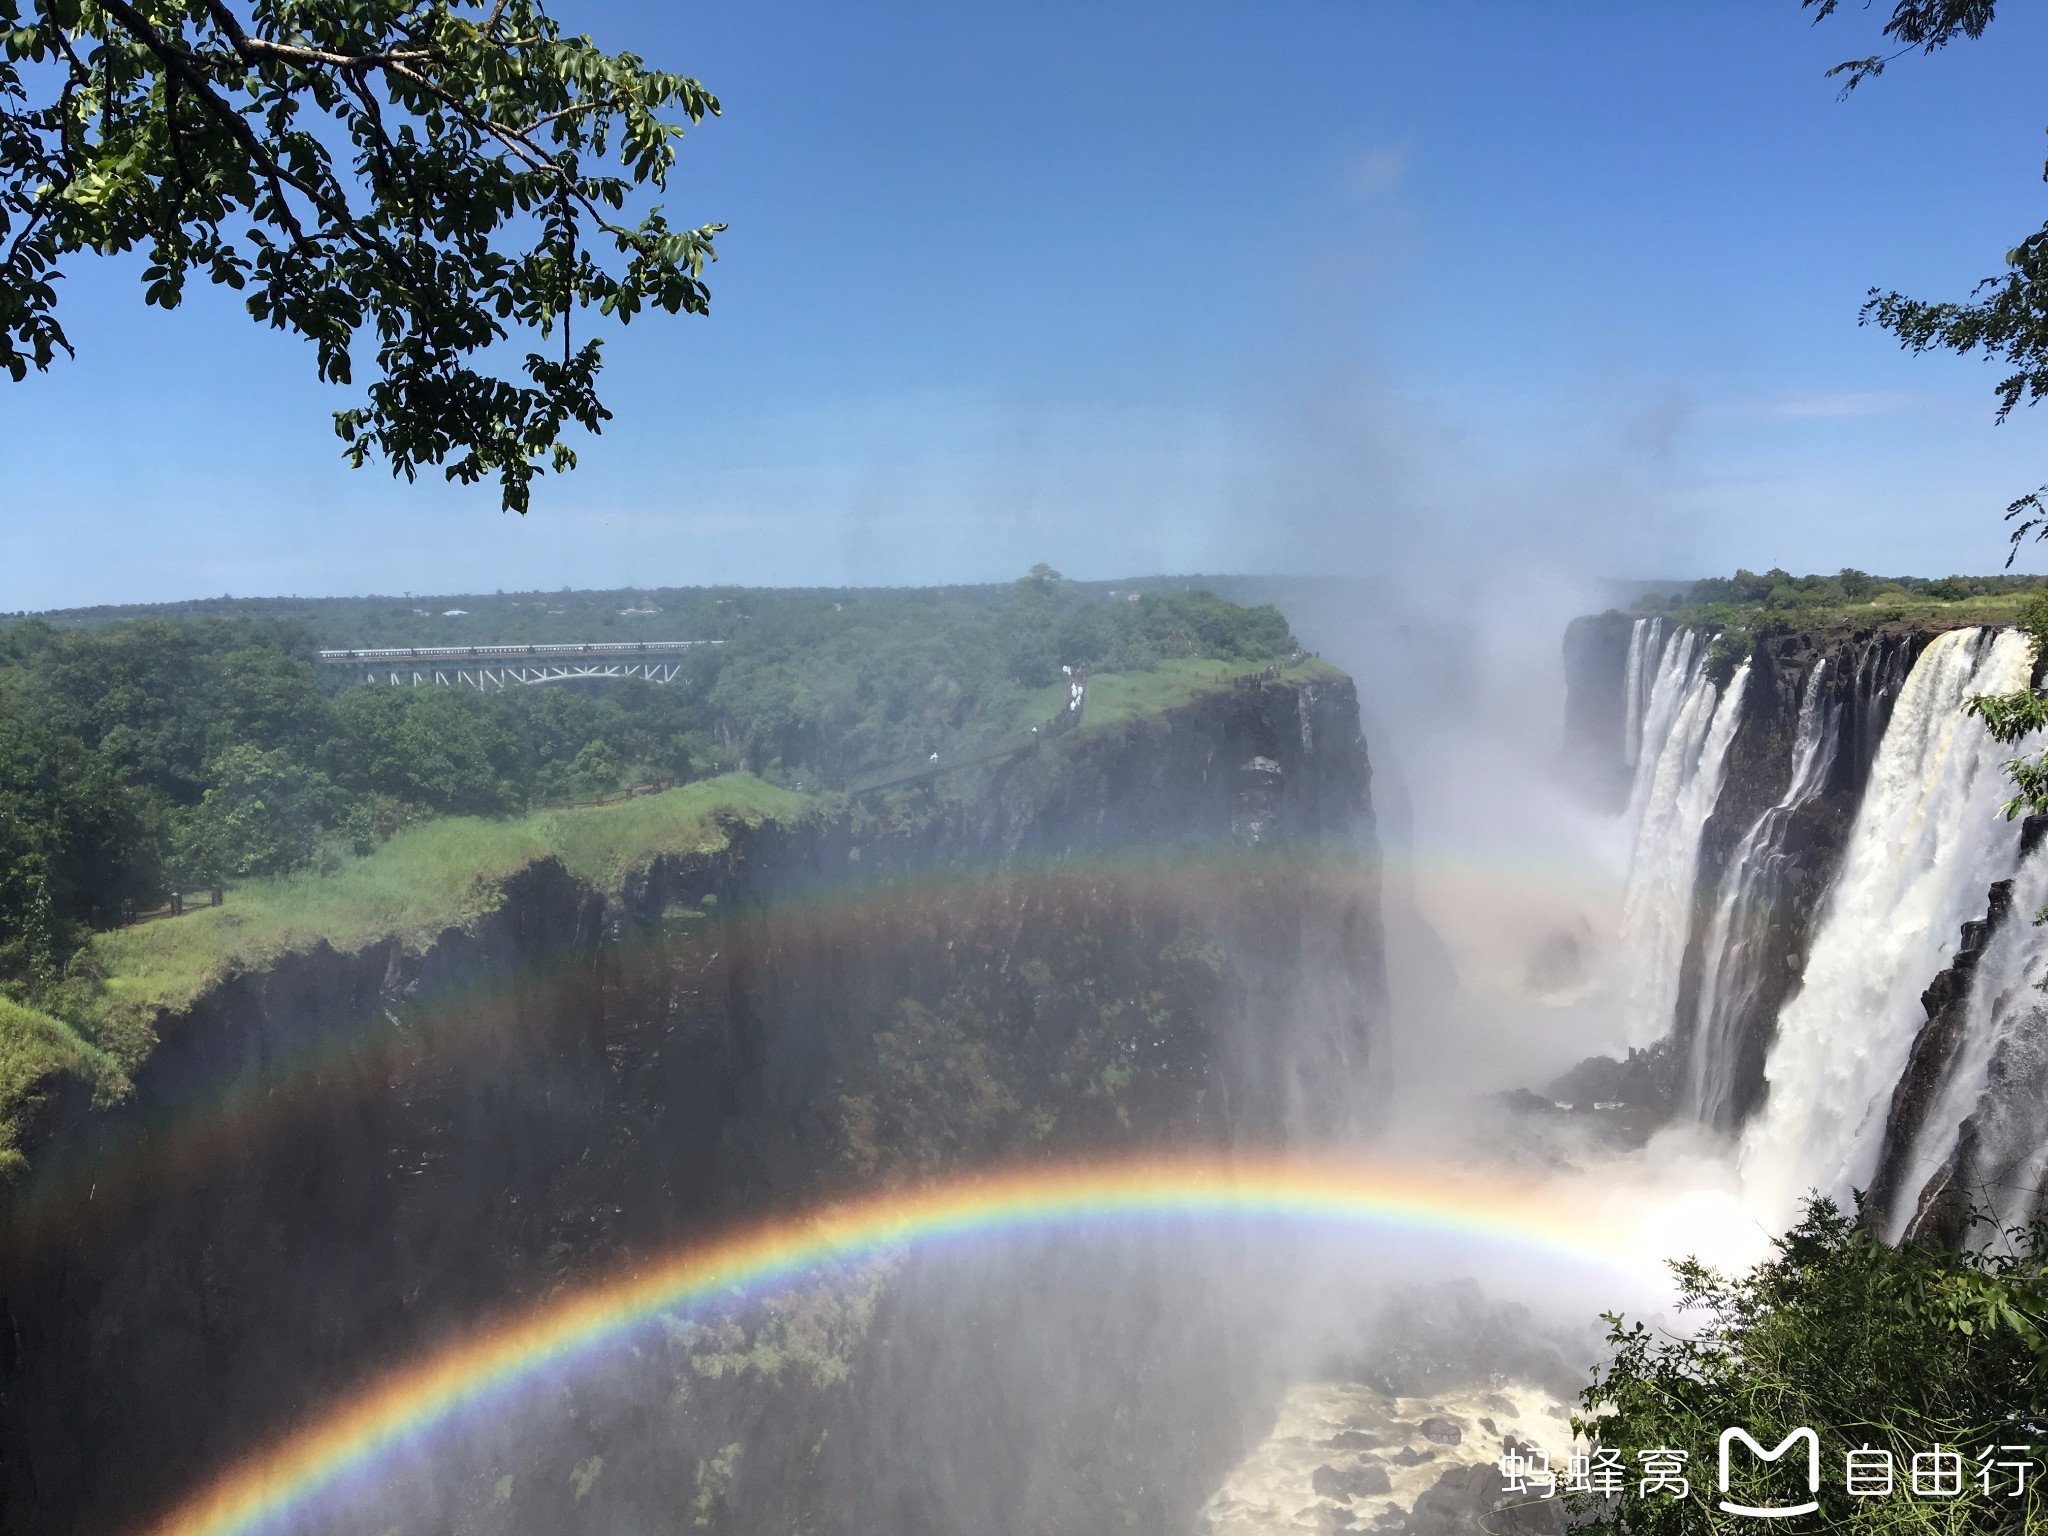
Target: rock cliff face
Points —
{"points": [[1860, 674], [1860, 677], [1168, 930], [1984, 1052], [1964, 1124], [1934, 1055]]}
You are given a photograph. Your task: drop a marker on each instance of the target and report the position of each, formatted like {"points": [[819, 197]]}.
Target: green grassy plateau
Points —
{"points": [[445, 873]]}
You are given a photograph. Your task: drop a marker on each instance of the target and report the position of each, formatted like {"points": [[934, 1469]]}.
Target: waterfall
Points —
{"points": [[1752, 889], [1676, 794], [1996, 1079], [1677, 670], [1927, 842], [1645, 642]]}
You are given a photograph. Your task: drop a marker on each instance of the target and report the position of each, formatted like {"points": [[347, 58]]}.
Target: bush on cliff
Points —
{"points": [[1897, 1349]]}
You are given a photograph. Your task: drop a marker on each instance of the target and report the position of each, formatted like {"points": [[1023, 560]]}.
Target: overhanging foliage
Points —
{"points": [[421, 180]]}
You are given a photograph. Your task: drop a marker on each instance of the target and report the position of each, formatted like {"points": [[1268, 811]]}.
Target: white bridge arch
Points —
{"points": [[490, 667]]}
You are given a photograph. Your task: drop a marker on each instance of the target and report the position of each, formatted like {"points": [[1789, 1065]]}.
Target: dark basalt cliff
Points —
{"points": [[1863, 670], [1993, 1164], [1167, 930]]}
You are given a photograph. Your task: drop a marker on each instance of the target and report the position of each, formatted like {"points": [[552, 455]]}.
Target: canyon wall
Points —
{"points": [[1833, 1010], [1164, 930]]}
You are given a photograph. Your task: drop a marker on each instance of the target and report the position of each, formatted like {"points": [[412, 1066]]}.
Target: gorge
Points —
{"points": [[1216, 924], [1840, 982], [1165, 930]]}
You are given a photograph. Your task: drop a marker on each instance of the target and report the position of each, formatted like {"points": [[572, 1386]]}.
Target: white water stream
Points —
{"points": [[1751, 890], [1927, 842], [2001, 1020], [1677, 786]]}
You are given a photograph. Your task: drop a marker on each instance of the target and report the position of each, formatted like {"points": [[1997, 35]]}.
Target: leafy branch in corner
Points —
{"points": [[417, 180], [2006, 316], [2012, 717]]}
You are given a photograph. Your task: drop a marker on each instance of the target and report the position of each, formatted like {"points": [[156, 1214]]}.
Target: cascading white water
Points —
{"points": [[1927, 842], [1678, 795], [2001, 1020], [1677, 670], [1751, 888], [1645, 648]]}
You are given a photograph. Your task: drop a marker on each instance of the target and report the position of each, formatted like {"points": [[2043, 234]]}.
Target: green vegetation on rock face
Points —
{"points": [[1899, 1349], [142, 755], [427, 879], [445, 873], [1776, 600], [35, 1048]]}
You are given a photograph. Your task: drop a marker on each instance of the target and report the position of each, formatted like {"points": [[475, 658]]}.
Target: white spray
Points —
{"points": [[1678, 795], [1645, 648], [1749, 891], [1927, 842]]}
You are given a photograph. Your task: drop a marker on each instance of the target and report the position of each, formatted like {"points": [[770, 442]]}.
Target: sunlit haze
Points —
{"points": [[1326, 286]]}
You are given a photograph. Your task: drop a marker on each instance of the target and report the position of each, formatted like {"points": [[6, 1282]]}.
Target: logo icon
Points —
{"points": [[1812, 1472]]}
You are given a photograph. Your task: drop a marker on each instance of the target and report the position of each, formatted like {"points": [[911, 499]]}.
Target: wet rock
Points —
{"points": [[1471, 1499], [1442, 1431], [1361, 1479], [1932, 1058], [1413, 1457]]}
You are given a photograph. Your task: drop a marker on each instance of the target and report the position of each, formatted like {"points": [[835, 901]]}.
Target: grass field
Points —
{"points": [[1116, 697], [33, 1048], [441, 874]]}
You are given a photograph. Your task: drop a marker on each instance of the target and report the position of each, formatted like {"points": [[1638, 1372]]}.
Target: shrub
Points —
{"points": [[1896, 1348]]}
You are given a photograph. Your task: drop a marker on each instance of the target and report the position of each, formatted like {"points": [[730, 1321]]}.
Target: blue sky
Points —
{"points": [[1308, 285]]}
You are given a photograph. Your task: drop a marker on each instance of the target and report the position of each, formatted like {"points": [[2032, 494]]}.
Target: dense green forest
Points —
{"points": [[144, 753], [1748, 594], [1749, 606]]}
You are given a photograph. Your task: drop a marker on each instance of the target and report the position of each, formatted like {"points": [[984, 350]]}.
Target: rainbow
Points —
{"points": [[221, 1116], [417, 1398]]}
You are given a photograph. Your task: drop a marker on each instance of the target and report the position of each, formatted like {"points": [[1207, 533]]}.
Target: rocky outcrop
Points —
{"points": [[1864, 671], [1164, 930], [1933, 1057], [1594, 761], [1991, 1169]]}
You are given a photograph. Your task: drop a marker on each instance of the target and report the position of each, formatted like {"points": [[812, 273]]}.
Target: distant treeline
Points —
{"points": [[142, 755], [1781, 590]]}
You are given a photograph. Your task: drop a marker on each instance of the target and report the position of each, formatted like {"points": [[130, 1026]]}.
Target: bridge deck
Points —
{"points": [[447, 653]]}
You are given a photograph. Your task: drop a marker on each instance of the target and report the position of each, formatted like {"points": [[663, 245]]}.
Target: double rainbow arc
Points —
{"points": [[415, 1399]]}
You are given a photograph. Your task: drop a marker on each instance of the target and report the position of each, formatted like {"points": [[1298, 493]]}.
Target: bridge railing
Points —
{"points": [[375, 655]]}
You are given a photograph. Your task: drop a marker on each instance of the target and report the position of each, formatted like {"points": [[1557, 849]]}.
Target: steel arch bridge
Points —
{"points": [[491, 667]]}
